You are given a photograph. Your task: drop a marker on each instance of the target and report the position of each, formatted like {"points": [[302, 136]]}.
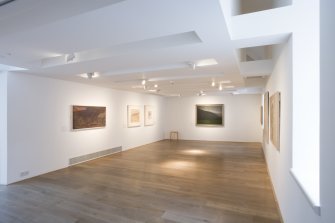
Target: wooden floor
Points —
{"points": [[184, 181]]}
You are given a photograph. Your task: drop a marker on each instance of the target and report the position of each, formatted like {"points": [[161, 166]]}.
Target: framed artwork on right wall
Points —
{"points": [[275, 119], [266, 117]]}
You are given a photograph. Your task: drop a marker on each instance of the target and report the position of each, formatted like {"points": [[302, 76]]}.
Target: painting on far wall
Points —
{"points": [[275, 119], [148, 115], [134, 116], [86, 117], [210, 115], [266, 117]]}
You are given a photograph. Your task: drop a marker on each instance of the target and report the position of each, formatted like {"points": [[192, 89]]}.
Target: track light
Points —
{"points": [[156, 86], [143, 82], [213, 83], [70, 57], [220, 87]]}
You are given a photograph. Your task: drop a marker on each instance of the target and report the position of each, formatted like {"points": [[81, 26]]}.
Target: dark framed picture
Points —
{"points": [[87, 117], [210, 115]]}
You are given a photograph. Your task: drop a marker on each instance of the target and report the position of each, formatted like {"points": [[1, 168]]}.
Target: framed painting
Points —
{"points": [[148, 115], [210, 115], [275, 119], [87, 117], [262, 115], [266, 117], [134, 116]]}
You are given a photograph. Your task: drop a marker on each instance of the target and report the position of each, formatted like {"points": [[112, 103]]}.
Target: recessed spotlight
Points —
{"points": [[156, 86], [143, 82], [70, 57], [220, 87], [213, 83], [89, 75]]}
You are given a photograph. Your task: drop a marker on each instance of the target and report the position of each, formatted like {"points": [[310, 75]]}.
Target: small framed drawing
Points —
{"points": [[88, 117], [134, 116], [148, 115], [210, 115]]}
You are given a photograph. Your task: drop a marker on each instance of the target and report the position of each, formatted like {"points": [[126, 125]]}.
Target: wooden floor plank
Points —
{"points": [[166, 181]]}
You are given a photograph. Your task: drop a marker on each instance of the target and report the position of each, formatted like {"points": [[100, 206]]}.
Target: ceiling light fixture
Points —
{"points": [[213, 83], [156, 86], [192, 65], [143, 82], [220, 87], [202, 93], [89, 75], [70, 57], [4, 2]]}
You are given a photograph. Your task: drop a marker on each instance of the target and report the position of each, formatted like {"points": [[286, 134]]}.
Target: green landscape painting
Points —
{"points": [[209, 115]]}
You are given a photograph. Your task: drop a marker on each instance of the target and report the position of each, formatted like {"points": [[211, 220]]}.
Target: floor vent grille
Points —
{"points": [[83, 158]]}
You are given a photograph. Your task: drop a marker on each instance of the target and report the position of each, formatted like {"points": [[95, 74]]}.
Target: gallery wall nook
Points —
{"points": [[250, 6]]}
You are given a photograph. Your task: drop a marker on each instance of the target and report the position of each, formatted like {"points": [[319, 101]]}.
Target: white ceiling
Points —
{"points": [[126, 41]]}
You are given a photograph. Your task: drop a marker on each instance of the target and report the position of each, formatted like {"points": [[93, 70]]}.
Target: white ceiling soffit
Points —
{"points": [[126, 48], [28, 14], [127, 41]]}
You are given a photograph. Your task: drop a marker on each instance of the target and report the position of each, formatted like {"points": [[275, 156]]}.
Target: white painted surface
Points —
{"points": [[327, 111], [241, 119], [306, 97], [294, 205], [40, 138], [3, 127]]}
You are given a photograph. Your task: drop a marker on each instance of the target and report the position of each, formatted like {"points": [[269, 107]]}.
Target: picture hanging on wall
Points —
{"points": [[87, 117], [266, 117], [210, 115], [148, 115], [134, 116], [275, 119], [262, 115]]}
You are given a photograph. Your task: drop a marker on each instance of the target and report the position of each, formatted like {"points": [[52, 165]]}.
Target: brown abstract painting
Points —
{"points": [[266, 117], [134, 116], [275, 119], [85, 117]]}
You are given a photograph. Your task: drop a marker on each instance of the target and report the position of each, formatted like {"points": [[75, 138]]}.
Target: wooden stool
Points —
{"points": [[174, 135]]}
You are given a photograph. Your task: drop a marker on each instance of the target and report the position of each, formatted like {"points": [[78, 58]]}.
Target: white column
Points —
{"points": [[3, 128], [327, 111]]}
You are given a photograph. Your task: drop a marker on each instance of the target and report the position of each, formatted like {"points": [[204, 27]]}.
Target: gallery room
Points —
{"points": [[176, 111]]}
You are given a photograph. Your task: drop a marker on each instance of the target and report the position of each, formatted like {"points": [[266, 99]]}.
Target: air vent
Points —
{"points": [[91, 156]]}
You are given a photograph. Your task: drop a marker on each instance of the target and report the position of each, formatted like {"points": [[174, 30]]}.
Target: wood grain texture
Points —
{"points": [[166, 181]]}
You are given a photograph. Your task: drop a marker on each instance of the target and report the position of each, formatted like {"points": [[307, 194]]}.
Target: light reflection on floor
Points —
{"points": [[178, 164], [194, 152]]}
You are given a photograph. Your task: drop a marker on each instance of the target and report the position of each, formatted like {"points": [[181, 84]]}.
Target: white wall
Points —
{"points": [[3, 127], [39, 123], [327, 111], [294, 205], [241, 121]]}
